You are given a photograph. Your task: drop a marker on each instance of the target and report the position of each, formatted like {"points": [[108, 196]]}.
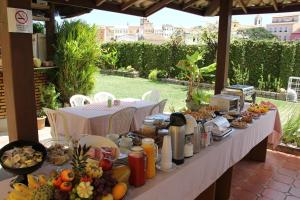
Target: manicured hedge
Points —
{"points": [[280, 59]]}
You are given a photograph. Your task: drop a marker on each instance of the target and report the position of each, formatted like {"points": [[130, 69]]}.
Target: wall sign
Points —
{"points": [[19, 20]]}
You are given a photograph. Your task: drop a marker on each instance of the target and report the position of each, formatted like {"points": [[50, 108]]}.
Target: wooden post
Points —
{"points": [[208, 194], [18, 76], [223, 44], [223, 185], [50, 32], [259, 152]]}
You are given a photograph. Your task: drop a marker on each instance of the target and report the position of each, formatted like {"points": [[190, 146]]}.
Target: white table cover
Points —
{"points": [[93, 119], [187, 181]]}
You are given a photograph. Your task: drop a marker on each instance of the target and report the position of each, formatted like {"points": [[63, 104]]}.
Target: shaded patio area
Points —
{"points": [[278, 178]]}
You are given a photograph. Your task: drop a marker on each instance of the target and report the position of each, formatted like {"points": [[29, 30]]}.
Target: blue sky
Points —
{"points": [[164, 16]]}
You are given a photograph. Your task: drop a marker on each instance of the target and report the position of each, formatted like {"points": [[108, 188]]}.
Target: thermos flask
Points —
{"points": [[177, 133]]}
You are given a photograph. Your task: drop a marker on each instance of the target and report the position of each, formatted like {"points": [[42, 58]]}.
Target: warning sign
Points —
{"points": [[19, 20]]}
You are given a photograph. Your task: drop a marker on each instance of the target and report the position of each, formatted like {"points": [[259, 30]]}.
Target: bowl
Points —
{"points": [[21, 143]]}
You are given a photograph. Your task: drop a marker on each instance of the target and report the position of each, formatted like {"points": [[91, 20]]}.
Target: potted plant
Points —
{"points": [[41, 119], [195, 97]]}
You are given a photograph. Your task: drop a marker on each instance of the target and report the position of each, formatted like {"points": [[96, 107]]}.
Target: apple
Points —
{"points": [[106, 164]]}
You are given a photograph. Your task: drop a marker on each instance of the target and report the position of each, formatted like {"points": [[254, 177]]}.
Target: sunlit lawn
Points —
{"points": [[123, 87]]}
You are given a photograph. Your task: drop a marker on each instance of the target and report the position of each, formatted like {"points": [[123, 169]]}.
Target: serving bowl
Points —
{"points": [[21, 143]]}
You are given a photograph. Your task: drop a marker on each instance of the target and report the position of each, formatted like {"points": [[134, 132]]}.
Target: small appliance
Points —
{"points": [[220, 127], [225, 102], [243, 91], [177, 133]]}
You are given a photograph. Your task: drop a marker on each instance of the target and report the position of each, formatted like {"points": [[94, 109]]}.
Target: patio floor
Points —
{"points": [[277, 179]]}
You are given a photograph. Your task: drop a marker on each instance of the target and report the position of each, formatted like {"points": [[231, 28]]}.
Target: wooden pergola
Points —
{"points": [[17, 47]]}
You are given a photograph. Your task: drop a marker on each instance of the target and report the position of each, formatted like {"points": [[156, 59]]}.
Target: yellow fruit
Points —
{"points": [[32, 182], [119, 191], [107, 197], [42, 179], [16, 195], [20, 187], [121, 173]]}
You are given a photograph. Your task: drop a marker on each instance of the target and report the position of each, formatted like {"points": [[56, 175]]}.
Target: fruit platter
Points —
{"points": [[268, 104], [258, 108], [87, 179]]}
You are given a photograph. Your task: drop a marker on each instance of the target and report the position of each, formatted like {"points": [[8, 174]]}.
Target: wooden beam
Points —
{"points": [[18, 77], [188, 10], [128, 4], [243, 6], [188, 4], [212, 8], [293, 7], [50, 32], [223, 45], [99, 2], [275, 5], [156, 7], [105, 6]]}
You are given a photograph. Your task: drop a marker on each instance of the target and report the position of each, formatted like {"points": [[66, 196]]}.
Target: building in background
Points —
{"points": [[285, 27], [146, 31]]}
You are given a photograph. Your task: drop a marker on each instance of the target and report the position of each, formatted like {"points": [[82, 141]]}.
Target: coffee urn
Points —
{"points": [[177, 133]]}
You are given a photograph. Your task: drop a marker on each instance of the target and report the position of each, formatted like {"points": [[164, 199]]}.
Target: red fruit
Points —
{"points": [[67, 175], [86, 179], [106, 164], [66, 186], [57, 182]]}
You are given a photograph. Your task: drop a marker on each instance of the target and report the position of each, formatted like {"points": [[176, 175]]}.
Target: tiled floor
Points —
{"points": [[276, 179]]}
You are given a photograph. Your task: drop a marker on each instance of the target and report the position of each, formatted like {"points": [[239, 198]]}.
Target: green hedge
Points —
{"points": [[280, 59]]}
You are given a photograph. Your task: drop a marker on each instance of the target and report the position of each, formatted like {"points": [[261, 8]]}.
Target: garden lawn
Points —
{"points": [[123, 87]]}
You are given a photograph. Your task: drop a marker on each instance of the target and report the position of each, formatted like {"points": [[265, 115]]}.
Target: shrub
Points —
{"points": [[153, 75], [49, 97], [291, 130], [76, 56], [280, 59]]}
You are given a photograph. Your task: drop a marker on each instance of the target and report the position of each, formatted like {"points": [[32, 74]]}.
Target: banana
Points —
{"points": [[32, 182], [42, 179], [16, 195], [20, 187]]}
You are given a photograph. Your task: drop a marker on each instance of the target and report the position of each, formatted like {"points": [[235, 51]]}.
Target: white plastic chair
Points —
{"points": [[152, 96], [79, 100], [159, 107], [120, 122], [103, 97], [53, 116]]}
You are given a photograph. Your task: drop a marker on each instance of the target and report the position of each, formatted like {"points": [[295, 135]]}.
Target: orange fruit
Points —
{"points": [[119, 191]]}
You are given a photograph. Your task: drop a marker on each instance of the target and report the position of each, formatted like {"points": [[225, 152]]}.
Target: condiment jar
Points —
{"points": [[151, 151], [136, 162]]}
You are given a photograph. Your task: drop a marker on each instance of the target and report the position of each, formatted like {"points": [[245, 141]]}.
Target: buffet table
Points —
{"points": [[201, 171], [93, 119]]}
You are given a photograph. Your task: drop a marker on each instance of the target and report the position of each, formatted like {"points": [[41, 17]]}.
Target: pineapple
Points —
{"points": [[44, 192], [79, 160]]}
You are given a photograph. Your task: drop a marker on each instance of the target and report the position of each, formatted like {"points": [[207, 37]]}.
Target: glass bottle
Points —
{"points": [[151, 151], [136, 162]]}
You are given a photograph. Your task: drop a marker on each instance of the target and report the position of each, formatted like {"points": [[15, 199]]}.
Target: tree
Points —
{"points": [[77, 53], [258, 33]]}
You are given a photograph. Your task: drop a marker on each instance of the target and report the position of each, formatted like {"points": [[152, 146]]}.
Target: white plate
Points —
{"points": [[99, 141]]}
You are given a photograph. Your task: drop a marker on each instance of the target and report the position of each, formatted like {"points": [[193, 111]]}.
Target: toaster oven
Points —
{"points": [[226, 103]]}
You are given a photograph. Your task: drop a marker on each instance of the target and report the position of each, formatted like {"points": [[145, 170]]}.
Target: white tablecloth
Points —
{"points": [[93, 119], [187, 181]]}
